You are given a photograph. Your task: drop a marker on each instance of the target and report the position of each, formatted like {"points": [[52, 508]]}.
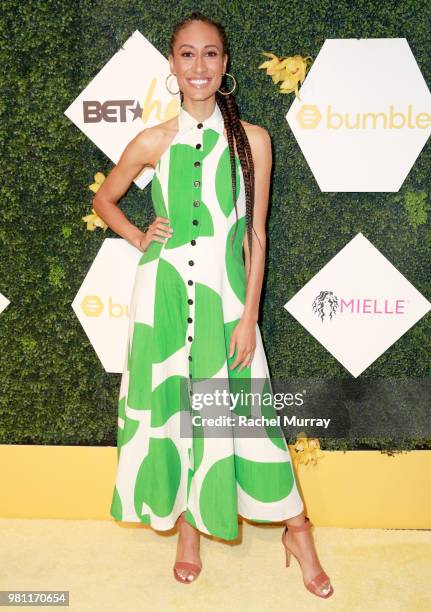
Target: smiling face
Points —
{"points": [[198, 61]]}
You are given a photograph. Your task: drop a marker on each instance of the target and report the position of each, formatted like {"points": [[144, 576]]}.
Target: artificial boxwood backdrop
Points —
{"points": [[54, 389]]}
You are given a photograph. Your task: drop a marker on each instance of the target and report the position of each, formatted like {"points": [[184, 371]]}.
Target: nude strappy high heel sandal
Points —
{"points": [[192, 568], [321, 577]]}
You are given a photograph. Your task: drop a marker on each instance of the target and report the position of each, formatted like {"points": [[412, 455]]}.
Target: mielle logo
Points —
{"points": [[93, 306], [326, 305], [115, 111], [310, 117]]}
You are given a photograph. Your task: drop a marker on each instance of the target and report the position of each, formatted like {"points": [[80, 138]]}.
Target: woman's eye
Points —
{"points": [[186, 53]]}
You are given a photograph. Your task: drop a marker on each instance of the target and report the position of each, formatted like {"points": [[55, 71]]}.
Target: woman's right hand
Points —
{"points": [[158, 230]]}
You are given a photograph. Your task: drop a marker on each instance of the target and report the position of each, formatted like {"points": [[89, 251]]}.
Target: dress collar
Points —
{"points": [[186, 122]]}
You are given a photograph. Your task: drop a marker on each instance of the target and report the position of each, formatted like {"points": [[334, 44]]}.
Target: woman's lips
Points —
{"points": [[199, 83]]}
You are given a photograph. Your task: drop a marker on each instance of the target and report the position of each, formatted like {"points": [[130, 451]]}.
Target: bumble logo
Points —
{"points": [[309, 117], [92, 306]]}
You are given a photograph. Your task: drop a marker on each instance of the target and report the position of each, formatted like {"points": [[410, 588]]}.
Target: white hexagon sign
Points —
{"points": [[364, 114], [102, 302]]}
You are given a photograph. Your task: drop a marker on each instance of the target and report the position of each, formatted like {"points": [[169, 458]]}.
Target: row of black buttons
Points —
{"points": [[196, 203]]}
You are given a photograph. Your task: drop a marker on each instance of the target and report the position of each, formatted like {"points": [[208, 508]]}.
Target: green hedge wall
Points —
{"points": [[53, 387]]}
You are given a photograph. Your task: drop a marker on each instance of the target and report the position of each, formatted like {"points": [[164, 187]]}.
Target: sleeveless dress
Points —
{"points": [[187, 299]]}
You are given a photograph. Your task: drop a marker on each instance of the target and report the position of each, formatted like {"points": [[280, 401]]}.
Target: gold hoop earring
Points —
{"points": [[166, 84], [226, 93]]}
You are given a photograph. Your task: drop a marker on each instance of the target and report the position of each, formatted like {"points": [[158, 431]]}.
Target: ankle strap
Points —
{"points": [[305, 525]]}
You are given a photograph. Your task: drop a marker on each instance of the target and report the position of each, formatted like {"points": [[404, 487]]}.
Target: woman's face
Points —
{"points": [[198, 60]]}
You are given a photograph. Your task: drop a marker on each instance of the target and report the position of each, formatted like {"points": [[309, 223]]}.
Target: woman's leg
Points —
{"points": [[301, 543], [188, 546]]}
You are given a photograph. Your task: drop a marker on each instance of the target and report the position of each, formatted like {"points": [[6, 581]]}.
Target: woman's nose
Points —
{"points": [[199, 64]]}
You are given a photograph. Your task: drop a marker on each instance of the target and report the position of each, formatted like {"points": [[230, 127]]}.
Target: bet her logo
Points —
{"points": [[327, 304], [309, 117], [122, 111]]}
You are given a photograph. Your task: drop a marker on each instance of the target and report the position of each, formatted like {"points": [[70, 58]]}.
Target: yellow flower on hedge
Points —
{"points": [[313, 443], [305, 450], [288, 71], [99, 177], [93, 220], [273, 66]]}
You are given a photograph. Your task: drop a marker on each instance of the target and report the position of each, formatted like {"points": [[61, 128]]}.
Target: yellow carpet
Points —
{"points": [[108, 566]]}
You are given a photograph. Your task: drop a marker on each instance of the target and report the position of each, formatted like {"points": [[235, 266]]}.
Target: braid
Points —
{"points": [[235, 132]]}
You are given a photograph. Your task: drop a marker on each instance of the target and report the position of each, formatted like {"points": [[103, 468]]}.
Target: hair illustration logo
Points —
{"points": [[309, 117], [326, 305]]}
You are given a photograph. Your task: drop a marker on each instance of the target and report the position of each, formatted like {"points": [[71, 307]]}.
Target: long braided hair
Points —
{"points": [[235, 132]]}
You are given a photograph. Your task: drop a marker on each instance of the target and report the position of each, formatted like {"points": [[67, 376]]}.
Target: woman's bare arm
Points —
{"points": [[260, 144], [140, 152], [243, 338]]}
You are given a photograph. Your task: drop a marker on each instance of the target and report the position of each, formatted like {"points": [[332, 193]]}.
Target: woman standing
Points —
{"points": [[193, 316]]}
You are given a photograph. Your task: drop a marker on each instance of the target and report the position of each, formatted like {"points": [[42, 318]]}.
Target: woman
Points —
{"points": [[193, 315]]}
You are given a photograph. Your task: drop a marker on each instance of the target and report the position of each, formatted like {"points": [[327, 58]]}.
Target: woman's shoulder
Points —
{"points": [[257, 135], [154, 134], [254, 129], [156, 139]]}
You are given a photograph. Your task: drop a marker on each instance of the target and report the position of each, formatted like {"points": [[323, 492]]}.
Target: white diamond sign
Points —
{"points": [[358, 305], [126, 96]]}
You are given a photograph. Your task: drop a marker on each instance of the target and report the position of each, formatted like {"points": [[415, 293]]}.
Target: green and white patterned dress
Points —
{"points": [[188, 296]]}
